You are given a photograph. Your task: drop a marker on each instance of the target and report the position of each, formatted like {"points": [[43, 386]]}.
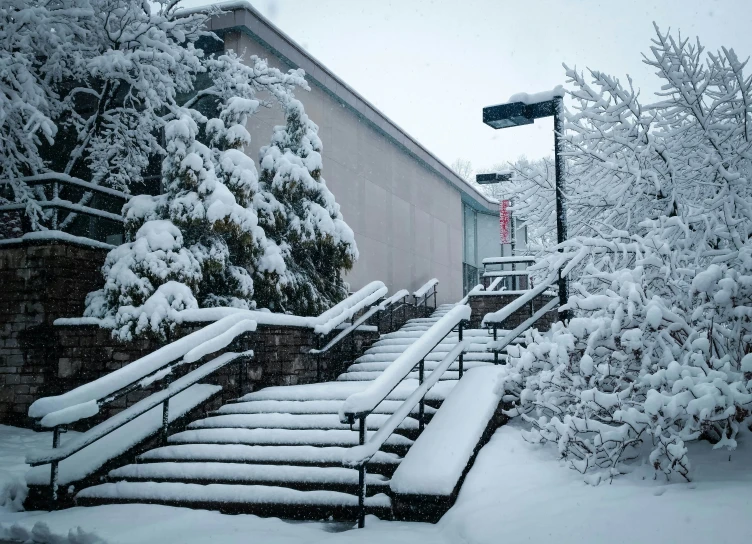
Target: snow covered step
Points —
{"points": [[90, 459], [302, 407], [293, 476], [267, 455], [292, 421], [341, 390], [256, 499], [436, 356], [429, 365], [444, 347], [449, 375], [282, 437]]}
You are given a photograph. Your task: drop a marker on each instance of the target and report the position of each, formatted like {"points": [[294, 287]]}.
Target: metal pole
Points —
{"points": [[561, 212], [496, 351], [165, 419], [462, 353], [55, 196], [54, 469], [362, 477], [422, 409]]}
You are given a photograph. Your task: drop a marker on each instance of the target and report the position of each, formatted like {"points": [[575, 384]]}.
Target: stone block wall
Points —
{"points": [[43, 280], [484, 303], [39, 282]]}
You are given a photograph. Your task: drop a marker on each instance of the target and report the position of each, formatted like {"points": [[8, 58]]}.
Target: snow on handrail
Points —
{"points": [[522, 327], [326, 321], [505, 273], [502, 314], [399, 295], [475, 290], [48, 455], [494, 284], [422, 291], [509, 260], [135, 371], [365, 401], [358, 455], [350, 306], [54, 177]]}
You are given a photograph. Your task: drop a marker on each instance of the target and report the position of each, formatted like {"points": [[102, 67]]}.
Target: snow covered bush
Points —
{"points": [[193, 245], [658, 351], [300, 215]]}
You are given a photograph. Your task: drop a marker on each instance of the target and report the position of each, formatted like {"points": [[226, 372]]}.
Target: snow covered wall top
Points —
{"points": [[439, 456]]}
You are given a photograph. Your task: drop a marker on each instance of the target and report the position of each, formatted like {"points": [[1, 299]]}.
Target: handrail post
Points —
{"points": [[434, 298], [55, 196], [496, 351], [362, 476], [241, 375], [166, 413], [319, 341], [462, 353], [422, 409], [54, 466]]}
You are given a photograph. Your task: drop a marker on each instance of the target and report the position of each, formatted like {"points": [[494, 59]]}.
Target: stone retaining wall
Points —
{"points": [[484, 303], [43, 280], [40, 281]]}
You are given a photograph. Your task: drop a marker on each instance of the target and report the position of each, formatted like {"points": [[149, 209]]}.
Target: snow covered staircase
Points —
{"points": [[280, 451]]}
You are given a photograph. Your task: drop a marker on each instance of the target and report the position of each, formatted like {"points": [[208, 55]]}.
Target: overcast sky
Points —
{"points": [[431, 66]]}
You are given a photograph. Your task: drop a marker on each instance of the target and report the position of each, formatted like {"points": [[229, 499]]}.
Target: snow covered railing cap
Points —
{"points": [[346, 309], [426, 288], [502, 314], [139, 369], [509, 260], [364, 402]]}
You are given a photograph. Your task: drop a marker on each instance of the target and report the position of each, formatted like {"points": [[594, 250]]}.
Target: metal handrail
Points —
{"points": [[56, 203], [374, 309], [425, 296], [348, 332], [418, 395], [211, 345], [126, 416]]}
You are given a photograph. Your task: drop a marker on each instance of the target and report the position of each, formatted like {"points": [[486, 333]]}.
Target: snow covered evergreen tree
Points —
{"points": [[300, 214], [206, 215], [658, 353]]}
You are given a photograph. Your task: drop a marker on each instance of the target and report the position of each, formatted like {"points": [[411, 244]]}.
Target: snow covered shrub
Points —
{"points": [[658, 351], [192, 246], [300, 214]]}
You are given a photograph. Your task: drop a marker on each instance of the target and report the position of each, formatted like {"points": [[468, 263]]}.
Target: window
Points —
{"points": [[470, 252]]}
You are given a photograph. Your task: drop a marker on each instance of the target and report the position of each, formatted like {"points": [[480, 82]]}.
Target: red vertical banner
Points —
{"points": [[504, 222]]}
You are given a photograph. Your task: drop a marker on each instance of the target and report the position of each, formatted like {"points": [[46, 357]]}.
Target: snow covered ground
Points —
{"points": [[517, 492]]}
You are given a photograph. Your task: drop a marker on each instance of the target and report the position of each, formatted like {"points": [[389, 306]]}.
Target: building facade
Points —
{"points": [[413, 217]]}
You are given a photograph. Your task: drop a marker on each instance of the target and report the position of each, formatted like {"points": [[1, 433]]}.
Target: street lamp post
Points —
{"points": [[524, 112]]}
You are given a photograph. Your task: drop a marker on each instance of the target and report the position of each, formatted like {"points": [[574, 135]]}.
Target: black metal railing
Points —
{"points": [[57, 193], [416, 398], [513, 279], [495, 322], [423, 295], [385, 311], [55, 455]]}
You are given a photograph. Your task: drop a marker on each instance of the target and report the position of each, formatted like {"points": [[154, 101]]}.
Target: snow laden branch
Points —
{"points": [[658, 351]]}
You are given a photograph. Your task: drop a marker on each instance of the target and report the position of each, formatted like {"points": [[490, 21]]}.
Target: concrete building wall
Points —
{"points": [[404, 205]]}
